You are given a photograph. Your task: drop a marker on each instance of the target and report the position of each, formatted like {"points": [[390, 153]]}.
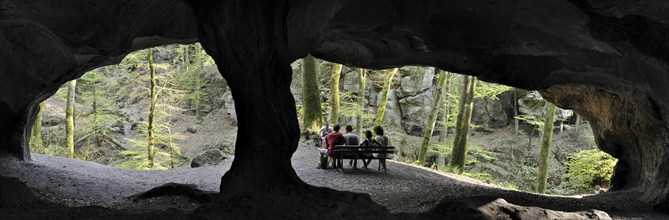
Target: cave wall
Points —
{"points": [[613, 52], [47, 43]]}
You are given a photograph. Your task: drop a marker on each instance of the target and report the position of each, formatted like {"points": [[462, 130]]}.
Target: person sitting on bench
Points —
{"points": [[368, 142], [351, 139], [332, 139], [384, 141]]}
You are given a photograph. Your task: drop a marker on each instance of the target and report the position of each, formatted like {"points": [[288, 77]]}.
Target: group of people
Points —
{"points": [[331, 137]]}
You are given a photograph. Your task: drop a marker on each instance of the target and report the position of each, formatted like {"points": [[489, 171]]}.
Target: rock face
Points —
{"points": [[208, 158], [534, 104], [490, 113], [607, 60], [414, 112], [14, 193]]}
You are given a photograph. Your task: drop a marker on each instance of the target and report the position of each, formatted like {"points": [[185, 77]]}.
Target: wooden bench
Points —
{"points": [[355, 152]]}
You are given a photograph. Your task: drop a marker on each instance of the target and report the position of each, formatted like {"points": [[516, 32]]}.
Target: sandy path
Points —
{"points": [[404, 189]]}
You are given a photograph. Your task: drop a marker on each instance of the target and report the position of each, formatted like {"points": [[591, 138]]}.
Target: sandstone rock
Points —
{"points": [[417, 81], [605, 59], [393, 115], [497, 208], [208, 158], [534, 104], [230, 106], [415, 110], [13, 192], [489, 113]]}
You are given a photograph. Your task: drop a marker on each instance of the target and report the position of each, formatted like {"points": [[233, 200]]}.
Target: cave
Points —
{"points": [[606, 60]]}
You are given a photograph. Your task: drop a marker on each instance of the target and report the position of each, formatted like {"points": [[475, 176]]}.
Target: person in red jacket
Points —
{"points": [[333, 138]]}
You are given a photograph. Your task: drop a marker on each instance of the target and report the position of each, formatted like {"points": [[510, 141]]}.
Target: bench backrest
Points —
{"points": [[367, 149]]}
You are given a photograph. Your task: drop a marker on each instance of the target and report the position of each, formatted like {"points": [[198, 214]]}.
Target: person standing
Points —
{"points": [[384, 141], [351, 139]]}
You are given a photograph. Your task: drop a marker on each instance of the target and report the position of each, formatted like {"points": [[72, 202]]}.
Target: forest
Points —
{"points": [[169, 108]]}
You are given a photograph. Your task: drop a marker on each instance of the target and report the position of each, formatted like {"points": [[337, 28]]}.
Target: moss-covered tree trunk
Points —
{"points": [[544, 154], [186, 58], [36, 131], [459, 154], [361, 100], [384, 96], [69, 118], [446, 106], [311, 102], [152, 110], [515, 111], [432, 117], [334, 91]]}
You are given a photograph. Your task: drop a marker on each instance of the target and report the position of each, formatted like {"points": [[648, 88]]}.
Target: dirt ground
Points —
{"points": [[404, 189]]}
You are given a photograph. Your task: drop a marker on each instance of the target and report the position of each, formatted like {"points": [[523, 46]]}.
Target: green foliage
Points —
{"points": [[351, 109], [489, 90], [588, 169], [97, 99]]}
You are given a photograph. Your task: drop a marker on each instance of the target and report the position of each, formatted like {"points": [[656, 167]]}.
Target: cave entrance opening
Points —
{"points": [[191, 119]]}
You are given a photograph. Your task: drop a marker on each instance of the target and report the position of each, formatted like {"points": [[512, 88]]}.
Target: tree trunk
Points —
{"points": [[384, 97], [459, 155], [36, 131], [544, 155], [446, 106], [257, 69], [311, 97], [152, 110], [432, 117], [361, 101], [334, 91], [515, 110], [96, 117], [69, 118], [187, 57]]}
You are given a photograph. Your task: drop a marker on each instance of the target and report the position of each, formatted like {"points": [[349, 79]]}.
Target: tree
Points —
{"points": [[432, 117], [311, 101], [36, 131], [588, 169], [458, 156], [69, 118], [334, 91], [361, 100], [152, 109], [95, 88], [192, 80], [447, 107], [546, 146], [384, 96], [515, 111]]}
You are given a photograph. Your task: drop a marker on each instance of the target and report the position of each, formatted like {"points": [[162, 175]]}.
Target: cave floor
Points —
{"points": [[404, 189]]}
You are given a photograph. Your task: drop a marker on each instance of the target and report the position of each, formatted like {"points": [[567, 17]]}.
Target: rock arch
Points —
{"points": [[605, 59]]}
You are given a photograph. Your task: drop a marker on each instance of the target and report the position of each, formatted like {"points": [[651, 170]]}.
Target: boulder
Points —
{"points": [[417, 81], [489, 113], [229, 105], [534, 104], [415, 110], [208, 158]]}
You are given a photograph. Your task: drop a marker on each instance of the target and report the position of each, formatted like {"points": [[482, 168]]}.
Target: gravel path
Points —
{"points": [[405, 188]]}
